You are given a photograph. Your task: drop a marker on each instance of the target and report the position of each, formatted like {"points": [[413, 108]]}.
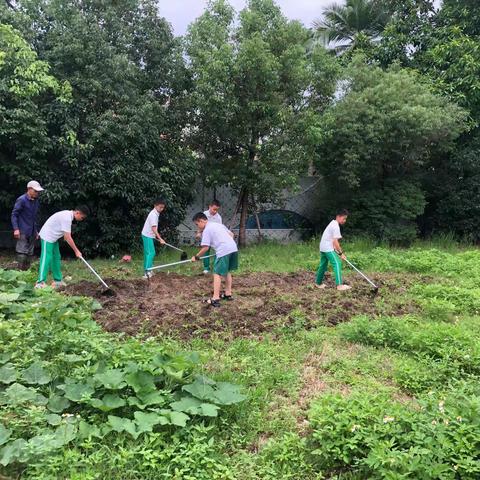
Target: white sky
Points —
{"points": [[180, 13]]}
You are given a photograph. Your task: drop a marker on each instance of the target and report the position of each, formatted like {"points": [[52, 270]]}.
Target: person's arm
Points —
{"points": [[68, 238], [18, 207], [338, 248], [201, 252], [157, 235]]}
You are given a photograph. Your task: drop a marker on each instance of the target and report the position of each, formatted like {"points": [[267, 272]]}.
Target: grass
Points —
{"points": [[287, 373]]}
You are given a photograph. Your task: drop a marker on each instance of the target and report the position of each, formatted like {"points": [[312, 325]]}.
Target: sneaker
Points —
{"points": [[321, 285], [206, 272], [40, 285], [147, 275], [343, 287], [60, 284]]}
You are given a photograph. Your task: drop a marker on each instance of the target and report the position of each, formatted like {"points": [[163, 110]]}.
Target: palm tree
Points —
{"points": [[353, 24]]}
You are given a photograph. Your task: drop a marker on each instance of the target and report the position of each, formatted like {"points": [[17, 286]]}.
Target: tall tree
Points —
{"points": [[255, 94], [383, 134], [353, 25], [126, 72]]}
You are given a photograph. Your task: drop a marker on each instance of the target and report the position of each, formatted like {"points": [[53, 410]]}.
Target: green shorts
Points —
{"points": [[226, 264]]}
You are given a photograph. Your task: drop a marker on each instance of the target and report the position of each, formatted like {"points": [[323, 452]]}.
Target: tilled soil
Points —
{"points": [[172, 304]]}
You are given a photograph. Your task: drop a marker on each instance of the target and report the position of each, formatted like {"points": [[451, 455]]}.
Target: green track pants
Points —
{"points": [[50, 261], [336, 261], [148, 252]]}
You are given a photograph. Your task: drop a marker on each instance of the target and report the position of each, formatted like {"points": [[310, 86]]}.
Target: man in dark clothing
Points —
{"points": [[24, 223]]}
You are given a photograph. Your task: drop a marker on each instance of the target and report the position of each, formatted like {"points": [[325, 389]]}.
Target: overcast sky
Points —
{"points": [[180, 13]]}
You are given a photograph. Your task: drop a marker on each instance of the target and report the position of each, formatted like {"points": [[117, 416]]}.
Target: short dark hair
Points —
{"points": [[83, 209], [215, 202], [159, 201], [199, 216], [342, 212]]}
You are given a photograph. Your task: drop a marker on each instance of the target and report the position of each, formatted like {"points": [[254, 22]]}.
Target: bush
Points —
{"points": [[378, 438]]}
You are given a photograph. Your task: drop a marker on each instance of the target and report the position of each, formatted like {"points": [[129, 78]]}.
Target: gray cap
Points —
{"points": [[35, 185]]}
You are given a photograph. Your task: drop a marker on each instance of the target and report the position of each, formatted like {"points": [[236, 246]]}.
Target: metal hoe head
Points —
{"points": [[375, 287]]}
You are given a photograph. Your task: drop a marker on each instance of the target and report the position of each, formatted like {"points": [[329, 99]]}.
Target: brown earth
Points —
{"points": [[171, 304]]}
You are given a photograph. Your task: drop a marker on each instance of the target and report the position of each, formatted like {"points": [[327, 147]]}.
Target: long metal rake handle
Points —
{"points": [[94, 272], [172, 246], [361, 273], [176, 263]]}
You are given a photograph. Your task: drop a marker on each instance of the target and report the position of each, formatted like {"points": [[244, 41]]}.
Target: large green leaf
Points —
{"points": [[87, 430], [18, 394], [178, 418], [228, 394], [53, 419], [141, 381], [35, 374], [108, 402], [8, 373], [194, 406], [4, 434], [200, 390], [151, 398], [12, 451], [113, 379], [6, 298], [120, 424], [146, 421], [78, 391], [65, 433], [57, 404]]}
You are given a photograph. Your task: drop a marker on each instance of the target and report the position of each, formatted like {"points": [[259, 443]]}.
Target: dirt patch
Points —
{"points": [[171, 304]]}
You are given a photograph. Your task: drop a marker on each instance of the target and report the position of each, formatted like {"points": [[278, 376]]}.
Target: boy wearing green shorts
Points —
{"points": [[57, 226], [331, 252], [217, 236], [149, 234]]}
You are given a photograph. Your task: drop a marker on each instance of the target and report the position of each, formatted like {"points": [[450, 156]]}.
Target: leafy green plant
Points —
{"points": [[382, 439]]}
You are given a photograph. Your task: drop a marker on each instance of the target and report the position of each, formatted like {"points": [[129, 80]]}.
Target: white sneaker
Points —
{"points": [[322, 285], [206, 272], [60, 284], [344, 287], [147, 275], [40, 285]]}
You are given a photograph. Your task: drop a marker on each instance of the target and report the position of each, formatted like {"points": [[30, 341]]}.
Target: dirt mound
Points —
{"points": [[263, 302]]}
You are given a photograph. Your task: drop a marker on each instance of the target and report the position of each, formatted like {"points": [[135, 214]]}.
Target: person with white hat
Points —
{"points": [[24, 223]]}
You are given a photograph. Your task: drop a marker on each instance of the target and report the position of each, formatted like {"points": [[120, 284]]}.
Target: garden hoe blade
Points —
{"points": [[375, 287], [107, 290]]}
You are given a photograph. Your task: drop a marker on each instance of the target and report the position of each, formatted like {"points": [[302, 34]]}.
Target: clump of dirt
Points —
{"points": [[171, 304]]}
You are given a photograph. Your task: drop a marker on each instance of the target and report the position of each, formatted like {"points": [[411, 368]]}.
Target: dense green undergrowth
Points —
{"points": [[374, 398], [67, 388]]}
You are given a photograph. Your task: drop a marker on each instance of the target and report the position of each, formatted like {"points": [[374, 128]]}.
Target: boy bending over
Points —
{"points": [[218, 237]]}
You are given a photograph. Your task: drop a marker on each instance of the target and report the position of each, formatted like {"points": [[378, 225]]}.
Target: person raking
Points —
{"points": [[149, 234], [212, 216], [57, 226], [331, 252], [217, 236]]}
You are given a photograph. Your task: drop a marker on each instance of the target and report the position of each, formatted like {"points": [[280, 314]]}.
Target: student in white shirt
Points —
{"points": [[212, 216], [217, 236], [149, 233], [57, 226], [331, 252]]}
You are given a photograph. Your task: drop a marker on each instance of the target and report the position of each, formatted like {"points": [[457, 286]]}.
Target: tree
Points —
{"points": [[26, 87], [127, 76], [255, 97], [383, 133], [353, 25]]}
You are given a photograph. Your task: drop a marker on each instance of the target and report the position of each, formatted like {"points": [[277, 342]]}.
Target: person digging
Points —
{"points": [[217, 236], [331, 252]]}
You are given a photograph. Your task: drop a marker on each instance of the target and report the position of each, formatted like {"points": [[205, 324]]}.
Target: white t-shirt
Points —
{"points": [[151, 221], [218, 237], [213, 218], [58, 224], [331, 233]]}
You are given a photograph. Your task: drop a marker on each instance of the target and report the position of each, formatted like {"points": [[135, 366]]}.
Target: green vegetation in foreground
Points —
{"points": [[376, 398]]}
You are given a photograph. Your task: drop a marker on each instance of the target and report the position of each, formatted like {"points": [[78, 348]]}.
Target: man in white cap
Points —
{"points": [[24, 223]]}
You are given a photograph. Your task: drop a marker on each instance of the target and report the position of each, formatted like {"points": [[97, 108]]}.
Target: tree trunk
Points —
{"points": [[242, 234]]}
